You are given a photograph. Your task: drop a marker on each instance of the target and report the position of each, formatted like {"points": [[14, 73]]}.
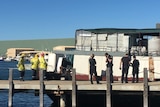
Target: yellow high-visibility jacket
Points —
{"points": [[42, 63], [34, 63], [20, 64]]}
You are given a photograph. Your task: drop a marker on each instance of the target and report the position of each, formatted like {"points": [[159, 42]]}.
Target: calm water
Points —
{"points": [[21, 99]]}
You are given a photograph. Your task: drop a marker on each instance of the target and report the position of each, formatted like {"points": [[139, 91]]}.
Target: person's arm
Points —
{"points": [[120, 64]]}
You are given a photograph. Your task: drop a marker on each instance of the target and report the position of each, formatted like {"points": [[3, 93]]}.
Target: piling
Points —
{"points": [[11, 87], [108, 88], [41, 91], [145, 92], [74, 88]]}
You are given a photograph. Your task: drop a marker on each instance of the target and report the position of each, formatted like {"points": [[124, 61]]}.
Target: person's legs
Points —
{"points": [[22, 75], [33, 74], [137, 78], [111, 77], [126, 77], [133, 79], [96, 77], [122, 77], [91, 80], [44, 73], [151, 75]]}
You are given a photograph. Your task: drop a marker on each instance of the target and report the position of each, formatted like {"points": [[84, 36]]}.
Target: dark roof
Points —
{"points": [[151, 31]]}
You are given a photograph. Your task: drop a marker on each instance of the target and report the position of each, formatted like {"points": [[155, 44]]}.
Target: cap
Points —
{"points": [[110, 57], [106, 54]]}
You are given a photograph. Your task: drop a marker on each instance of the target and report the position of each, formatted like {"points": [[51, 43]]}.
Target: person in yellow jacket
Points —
{"points": [[34, 66], [43, 65], [151, 68], [21, 67]]}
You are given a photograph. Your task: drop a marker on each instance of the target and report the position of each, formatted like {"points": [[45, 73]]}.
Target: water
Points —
{"points": [[20, 99]]}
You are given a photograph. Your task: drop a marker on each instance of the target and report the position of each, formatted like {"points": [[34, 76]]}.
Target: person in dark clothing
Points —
{"points": [[109, 64], [135, 71], [125, 63], [92, 63]]}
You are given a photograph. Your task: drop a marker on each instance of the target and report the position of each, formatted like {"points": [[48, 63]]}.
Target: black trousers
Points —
{"points": [[124, 75], [93, 72], [34, 74], [22, 74], [135, 77]]}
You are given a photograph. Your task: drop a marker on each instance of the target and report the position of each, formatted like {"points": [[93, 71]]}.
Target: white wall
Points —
{"points": [[81, 64]]}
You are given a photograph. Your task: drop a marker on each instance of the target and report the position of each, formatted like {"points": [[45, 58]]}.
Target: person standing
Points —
{"points": [[34, 66], [135, 70], [151, 69], [109, 64], [21, 67], [124, 63], [92, 63], [43, 65]]}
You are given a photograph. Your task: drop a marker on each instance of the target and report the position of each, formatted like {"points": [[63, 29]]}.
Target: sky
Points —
{"points": [[51, 19]]}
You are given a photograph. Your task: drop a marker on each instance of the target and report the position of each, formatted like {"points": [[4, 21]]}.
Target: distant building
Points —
{"points": [[13, 52], [64, 48]]}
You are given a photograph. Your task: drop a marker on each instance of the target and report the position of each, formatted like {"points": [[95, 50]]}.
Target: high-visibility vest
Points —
{"points": [[20, 65], [42, 63], [34, 63]]}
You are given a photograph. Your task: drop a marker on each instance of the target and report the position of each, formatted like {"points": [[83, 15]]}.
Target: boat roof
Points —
{"points": [[126, 31], [97, 53], [33, 52]]}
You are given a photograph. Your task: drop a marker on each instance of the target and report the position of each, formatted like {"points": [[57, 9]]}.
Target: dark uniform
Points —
{"points": [[92, 63], [125, 67], [135, 71], [109, 64]]}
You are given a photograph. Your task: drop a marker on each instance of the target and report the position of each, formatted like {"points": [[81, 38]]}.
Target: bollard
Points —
{"points": [[108, 88], [145, 92]]}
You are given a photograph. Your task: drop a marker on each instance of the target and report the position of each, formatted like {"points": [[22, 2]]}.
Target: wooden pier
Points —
{"points": [[58, 86]]}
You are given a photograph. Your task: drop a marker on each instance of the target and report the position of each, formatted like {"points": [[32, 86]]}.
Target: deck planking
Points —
{"points": [[81, 85]]}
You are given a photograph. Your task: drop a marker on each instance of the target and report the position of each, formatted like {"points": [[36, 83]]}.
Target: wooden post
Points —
{"points": [[145, 92], [74, 88], [11, 87], [108, 87], [41, 88]]}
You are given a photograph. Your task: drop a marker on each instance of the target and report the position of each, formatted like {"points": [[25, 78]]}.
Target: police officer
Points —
{"points": [[92, 63], [124, 63], [135, 70], [110, 65]]}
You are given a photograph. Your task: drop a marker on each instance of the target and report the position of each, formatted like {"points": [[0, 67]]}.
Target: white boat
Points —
{"points": [[8, 59], [1, 58], [117, 42]]}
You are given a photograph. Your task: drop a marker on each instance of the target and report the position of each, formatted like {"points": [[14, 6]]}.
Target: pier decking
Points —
{"points": [[59, 87], [81, 85]]}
